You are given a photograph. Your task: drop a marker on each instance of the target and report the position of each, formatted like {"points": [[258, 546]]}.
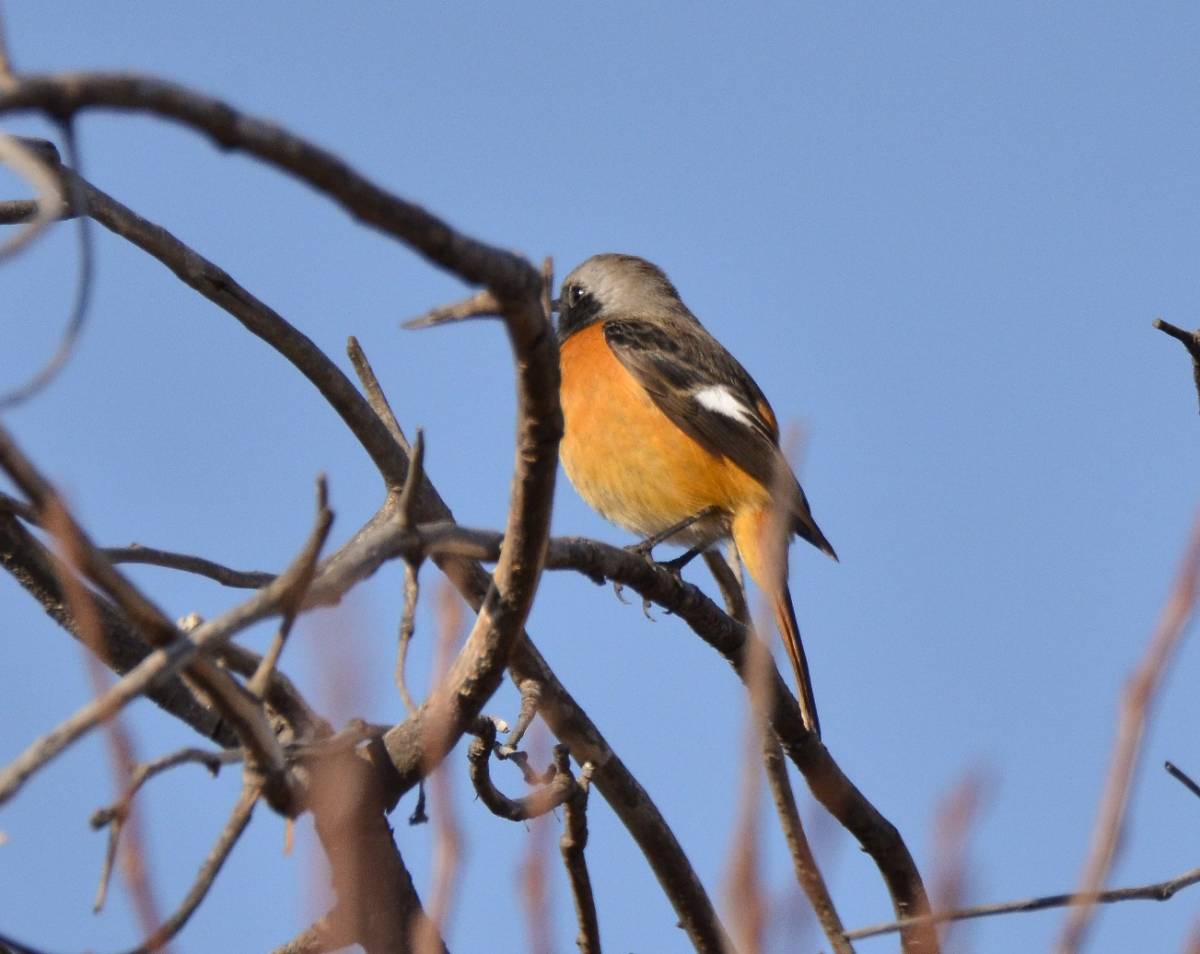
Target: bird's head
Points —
{"points": [[614, 286]]}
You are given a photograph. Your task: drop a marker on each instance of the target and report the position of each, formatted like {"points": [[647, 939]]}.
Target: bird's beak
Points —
{"points": [[554, 305]]}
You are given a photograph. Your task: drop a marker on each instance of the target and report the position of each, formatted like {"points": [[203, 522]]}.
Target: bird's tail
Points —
{"points": [[785, 619]]}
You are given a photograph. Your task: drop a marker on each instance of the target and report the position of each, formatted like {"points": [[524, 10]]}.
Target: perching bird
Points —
{"points": [[668, 436]]}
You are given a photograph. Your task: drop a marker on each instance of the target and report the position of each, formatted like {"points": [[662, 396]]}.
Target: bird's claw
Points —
{"points": [[618, 589]]}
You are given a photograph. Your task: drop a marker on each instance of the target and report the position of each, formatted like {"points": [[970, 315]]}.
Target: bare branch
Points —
{"points": [[114, 816], [375, 396], [538, 803], [239, 818], [293, 598], [323, 937], [480, 305], [162, 662], [1160, 891], [408, 624], [1186, 780], [240, 710], [150, 556], [40, 573], [1137, 698], [480, 264], [1190, 340], [804, 863], [35, 163], [572, 843]]}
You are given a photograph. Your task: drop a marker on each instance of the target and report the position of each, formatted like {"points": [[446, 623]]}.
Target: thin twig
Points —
{"points": [[375, 394], [238, 819], [1159, 891], [408, 624], [480, 305], [571, 844], [1136, 700], [293, 598], [1182, 776], [1190, 340], [537, 803], [115, 815], [151, 556]]}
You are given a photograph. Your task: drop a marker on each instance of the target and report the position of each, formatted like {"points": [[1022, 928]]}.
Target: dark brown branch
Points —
{"points": [[1160, 891], [150, 556], [566, 718], [1190, 340], [571, 844], [534, 805], [480, 264], [1183, 778], [20, 508]]}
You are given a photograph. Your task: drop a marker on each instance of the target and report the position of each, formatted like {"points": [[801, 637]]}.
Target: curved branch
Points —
{"points": [[61, 96]]}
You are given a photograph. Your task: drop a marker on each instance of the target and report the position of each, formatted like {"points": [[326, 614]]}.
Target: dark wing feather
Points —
{"points": [[673, 365]]}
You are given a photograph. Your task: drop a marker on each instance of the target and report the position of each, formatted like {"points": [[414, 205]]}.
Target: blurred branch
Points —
{"points": [[239, 818], [804, 863], [40, 573], [168, 659], [1160, 891], [1136, 700], [64, 192]]}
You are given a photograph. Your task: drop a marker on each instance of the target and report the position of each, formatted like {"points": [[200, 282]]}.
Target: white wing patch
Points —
{"points": [[717, 397]]}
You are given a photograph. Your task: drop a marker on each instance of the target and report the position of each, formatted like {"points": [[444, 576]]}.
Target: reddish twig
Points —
{"points": [[1136, 700]]}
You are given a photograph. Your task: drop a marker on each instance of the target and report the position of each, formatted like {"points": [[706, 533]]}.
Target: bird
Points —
{"points": [[667, 435]]}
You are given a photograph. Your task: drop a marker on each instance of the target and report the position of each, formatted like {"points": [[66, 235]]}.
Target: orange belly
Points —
{"points": [[629, 461]]}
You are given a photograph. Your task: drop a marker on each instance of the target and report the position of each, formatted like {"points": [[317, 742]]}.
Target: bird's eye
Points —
{"points": [[575, 294]]}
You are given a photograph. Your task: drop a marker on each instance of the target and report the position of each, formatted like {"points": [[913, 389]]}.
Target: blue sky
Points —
{"points": [[935, 233]]}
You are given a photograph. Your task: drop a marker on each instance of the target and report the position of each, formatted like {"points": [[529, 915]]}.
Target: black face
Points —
{"points": [[577, 308]]}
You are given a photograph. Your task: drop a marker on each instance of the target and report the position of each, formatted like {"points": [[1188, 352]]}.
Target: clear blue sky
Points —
{"points": [[935, 233]]}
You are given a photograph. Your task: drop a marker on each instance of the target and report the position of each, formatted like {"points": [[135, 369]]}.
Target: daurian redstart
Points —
{"points": [[668, 436]]}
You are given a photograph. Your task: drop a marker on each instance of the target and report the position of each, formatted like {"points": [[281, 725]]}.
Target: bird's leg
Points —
{"points": [[675, 566], [647, 545]]}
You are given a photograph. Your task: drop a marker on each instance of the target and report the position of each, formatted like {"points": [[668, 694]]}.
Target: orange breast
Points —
{"points": [[630, 461]]}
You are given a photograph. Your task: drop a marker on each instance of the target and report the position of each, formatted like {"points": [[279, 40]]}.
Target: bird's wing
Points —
{"points": [[701, 387]]}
